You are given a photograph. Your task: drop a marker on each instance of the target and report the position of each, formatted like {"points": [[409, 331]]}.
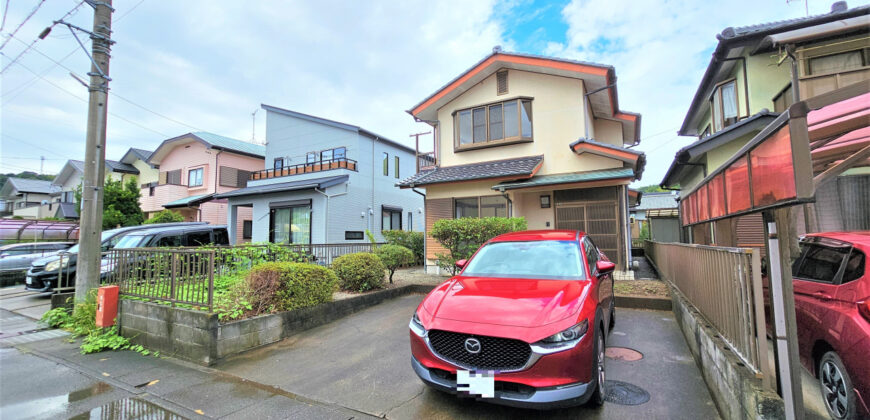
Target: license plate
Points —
{"points": [[476, 383], [29, 280]]}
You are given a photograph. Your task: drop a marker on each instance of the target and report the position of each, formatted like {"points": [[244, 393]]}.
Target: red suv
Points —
{"points": [[832, 308], [523, 324]]}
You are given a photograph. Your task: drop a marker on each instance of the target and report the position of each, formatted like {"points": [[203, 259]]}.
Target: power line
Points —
{"points": [[30, 82], [41, 35], [32, 12], [5, 13], [85, 100], [30, 144]]}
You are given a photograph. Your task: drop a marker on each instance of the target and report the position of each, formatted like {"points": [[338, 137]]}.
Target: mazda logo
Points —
{"points": [[472, 345]]}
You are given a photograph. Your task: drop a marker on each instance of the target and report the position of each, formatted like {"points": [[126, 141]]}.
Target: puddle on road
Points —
{"points": [[128, 409], [44, 407]]}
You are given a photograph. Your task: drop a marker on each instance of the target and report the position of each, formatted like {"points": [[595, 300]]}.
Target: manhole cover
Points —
{"points": [[623, 353], [624, 393]]}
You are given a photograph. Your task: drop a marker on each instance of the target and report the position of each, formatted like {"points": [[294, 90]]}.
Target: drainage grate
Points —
{"points": [[624, 393], [623, 353]]}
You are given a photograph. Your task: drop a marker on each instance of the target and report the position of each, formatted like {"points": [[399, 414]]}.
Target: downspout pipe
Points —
{"points": [[795, 82], [510, 203], [326, 213]]}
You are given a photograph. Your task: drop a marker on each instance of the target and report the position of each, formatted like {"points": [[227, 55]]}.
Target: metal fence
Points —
{"points": [[186, 275], [724, 285]]}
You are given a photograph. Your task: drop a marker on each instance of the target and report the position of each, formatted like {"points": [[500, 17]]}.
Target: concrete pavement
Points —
{"points": [[362, 362], [22, 302]]}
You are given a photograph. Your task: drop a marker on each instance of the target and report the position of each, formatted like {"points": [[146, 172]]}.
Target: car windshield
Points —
{"points": [[557, 260], [133, 241], [104, 237]]}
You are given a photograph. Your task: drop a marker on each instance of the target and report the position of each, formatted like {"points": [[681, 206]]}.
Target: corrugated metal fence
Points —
{"points": [[724, 284]]}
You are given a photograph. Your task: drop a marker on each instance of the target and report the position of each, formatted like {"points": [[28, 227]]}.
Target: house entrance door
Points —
{"points": [[594, 211]]}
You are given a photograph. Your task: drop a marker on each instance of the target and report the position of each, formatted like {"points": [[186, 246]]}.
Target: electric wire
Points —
{"points": [[21, 54], [5, 13], [32, 12]]}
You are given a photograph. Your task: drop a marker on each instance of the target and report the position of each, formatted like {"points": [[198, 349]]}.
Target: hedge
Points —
{"points": [[462, 237], [359, 272], [394, 256], [410, 240]]}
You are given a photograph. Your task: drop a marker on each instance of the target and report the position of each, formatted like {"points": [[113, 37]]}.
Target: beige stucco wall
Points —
{"points": [[558, 118], [461, 189], [147, 174], [608, 131], [528, 205], [766, 80]]}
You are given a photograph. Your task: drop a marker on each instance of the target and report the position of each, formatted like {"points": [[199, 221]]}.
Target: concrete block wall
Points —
{"points": [[738, 394], [182, 333], [200, 338]]}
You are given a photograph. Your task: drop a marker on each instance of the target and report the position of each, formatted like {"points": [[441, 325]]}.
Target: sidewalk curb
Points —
{"points": [[642, 302]]}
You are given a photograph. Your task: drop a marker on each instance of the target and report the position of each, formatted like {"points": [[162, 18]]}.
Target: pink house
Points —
{"points": [[196, 166]]}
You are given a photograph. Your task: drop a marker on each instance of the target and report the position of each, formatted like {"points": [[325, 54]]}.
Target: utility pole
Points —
{"points": [[88, 265]]}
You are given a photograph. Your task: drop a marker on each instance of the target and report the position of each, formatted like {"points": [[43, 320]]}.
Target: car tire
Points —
{"points": [[597, 398], [837, 392]]}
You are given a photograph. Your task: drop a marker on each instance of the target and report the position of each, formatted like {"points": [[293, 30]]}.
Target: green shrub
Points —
{"points": [[165, 216], [462, 237], [275, 287], [359, 272], [410, 240], [394, 256]]}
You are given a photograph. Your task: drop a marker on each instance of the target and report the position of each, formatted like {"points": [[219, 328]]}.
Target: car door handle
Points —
{"points": [[822, 296]]}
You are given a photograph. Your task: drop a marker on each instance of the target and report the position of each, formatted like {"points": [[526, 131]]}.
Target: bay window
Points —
{"points": [[500, 122]]}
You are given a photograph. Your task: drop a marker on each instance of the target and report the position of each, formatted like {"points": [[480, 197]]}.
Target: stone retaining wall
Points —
{"points": [[199, 337], [737, 392]]}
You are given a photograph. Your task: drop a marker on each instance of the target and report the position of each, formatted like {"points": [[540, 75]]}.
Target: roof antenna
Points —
{"points": [[254, 126]]}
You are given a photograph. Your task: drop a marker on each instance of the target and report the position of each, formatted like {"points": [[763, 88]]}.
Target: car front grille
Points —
{"points": [[37, 268], [496, 353]]}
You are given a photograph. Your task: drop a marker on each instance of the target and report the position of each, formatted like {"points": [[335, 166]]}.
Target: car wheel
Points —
{"points": [[598, 395], [836, 387]]}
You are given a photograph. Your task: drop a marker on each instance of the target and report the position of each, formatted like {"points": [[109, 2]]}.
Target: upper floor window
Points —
{"points": [[499, 122], [326, 155], [836, 62], [386, 164], [194, 177], [339, 153], [724, 105], [396, 169], [279, 163]]}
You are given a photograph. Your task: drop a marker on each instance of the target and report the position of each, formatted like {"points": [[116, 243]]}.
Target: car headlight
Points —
{"points": [[56, 264], [563, 340], [417, 326]]}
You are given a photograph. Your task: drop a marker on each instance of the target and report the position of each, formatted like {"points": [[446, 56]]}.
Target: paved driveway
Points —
{"points": [[362, 362]]}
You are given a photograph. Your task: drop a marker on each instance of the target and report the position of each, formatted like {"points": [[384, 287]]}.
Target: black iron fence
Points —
{"points": [[186, 275]]}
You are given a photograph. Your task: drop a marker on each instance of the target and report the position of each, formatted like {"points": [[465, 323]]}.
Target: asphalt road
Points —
{"points": [[362, 362]]}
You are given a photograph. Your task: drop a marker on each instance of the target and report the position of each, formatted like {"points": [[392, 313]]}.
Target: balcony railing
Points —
{"points": [[425, 160], [304, 168]]}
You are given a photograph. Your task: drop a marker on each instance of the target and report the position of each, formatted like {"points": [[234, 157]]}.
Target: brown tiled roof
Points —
{"points": [[523, 167]]}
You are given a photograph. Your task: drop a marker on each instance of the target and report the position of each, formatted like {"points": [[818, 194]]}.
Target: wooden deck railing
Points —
{"points": [[304, 168]]}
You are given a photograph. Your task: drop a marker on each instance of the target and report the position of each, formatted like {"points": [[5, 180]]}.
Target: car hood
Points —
{"points": [[54, 257], [508, 302]]}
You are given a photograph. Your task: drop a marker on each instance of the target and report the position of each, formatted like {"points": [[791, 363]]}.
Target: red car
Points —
{"points": [[523, 324], [832, 309]]}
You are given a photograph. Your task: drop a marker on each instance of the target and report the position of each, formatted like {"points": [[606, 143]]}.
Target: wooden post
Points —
{"points": [[781, 236]]}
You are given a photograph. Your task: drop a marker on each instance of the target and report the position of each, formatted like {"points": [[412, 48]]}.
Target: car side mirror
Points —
{"points": [[461, 263], [604, 267]]}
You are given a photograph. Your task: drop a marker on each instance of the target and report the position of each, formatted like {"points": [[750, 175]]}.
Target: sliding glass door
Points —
{"points": [[290, 225]]}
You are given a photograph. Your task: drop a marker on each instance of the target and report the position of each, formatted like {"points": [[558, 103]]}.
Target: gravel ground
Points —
{"points": [[651, 288], [402, 277]]}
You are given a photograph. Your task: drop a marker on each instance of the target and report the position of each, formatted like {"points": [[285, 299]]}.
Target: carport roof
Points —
{"points": [[303, 184], [193, 200]]}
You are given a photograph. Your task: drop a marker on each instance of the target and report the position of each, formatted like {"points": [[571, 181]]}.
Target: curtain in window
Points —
{"points": [[836, 62], [465, 127], [729, 100], [281, 226], [511, 124], [300, 225], [466, 207], [526, 121], [479, 119]]}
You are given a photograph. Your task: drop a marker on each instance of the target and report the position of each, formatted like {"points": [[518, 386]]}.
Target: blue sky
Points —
{"points": [[199, 65]]}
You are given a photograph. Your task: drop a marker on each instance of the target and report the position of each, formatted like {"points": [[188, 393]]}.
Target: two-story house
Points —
{"points": [[756, 73], [325, 182], [537, 137], [24, 197], [132, 165], [193, 169]]}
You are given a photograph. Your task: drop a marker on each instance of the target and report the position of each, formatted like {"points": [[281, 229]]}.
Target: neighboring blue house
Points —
{"points": [[326, 182], [659, 212]]}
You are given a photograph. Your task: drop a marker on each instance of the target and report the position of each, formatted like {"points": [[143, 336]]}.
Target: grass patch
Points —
{"points": [[648, 288]]}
